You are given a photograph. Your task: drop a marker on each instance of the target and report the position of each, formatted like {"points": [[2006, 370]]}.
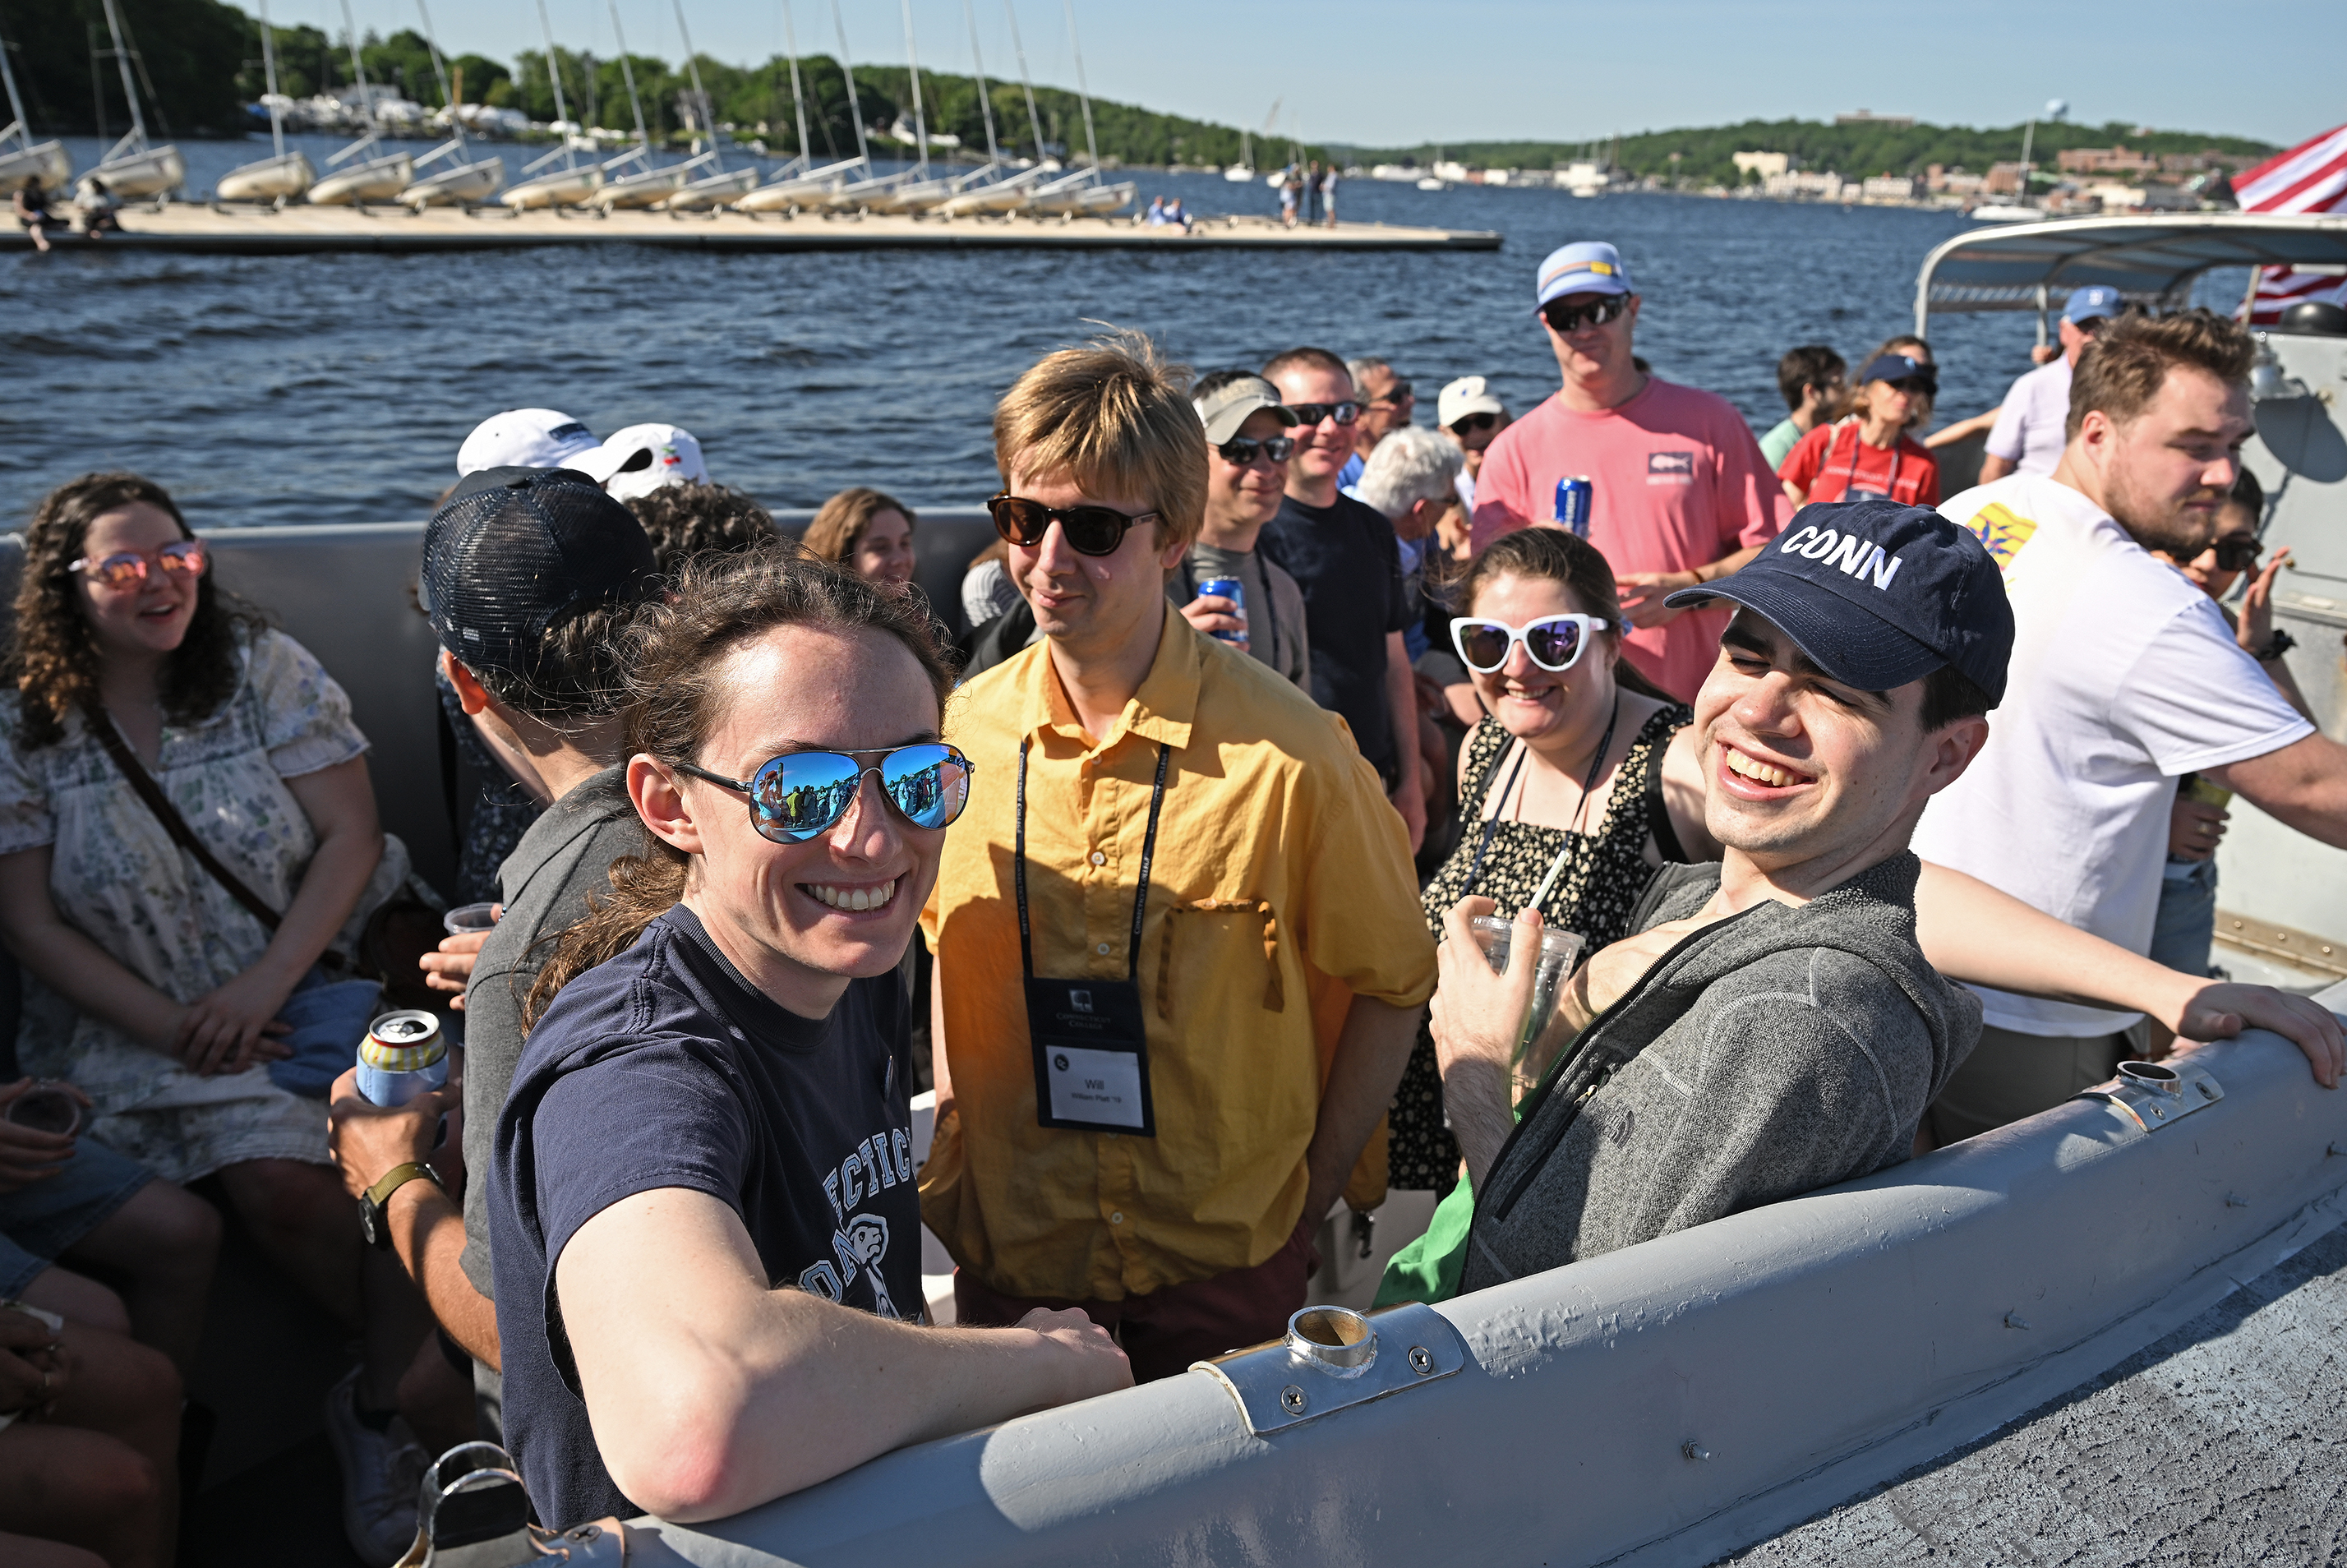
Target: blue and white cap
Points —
{"points": [[2091, 304], [1879, 595], [1583, 267]]}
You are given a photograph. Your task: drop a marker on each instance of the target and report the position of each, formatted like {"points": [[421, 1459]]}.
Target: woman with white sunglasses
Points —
{"points": [[1562, 783]]}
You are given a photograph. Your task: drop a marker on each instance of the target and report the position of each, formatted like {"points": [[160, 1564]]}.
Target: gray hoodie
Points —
{"points": [[1774, 1053]]}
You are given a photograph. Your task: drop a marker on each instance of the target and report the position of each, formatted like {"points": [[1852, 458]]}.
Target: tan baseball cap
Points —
{"points": [[1225, 408]]}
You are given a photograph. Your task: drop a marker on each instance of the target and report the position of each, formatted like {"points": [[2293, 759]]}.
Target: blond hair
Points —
{"points": [[1114, 417]]}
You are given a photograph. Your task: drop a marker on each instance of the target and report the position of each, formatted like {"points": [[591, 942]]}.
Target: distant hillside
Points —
{"points": [[1855, 150]]}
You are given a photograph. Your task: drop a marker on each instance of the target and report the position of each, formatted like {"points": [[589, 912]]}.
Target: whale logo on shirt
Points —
{"points": [[1670, 468]]}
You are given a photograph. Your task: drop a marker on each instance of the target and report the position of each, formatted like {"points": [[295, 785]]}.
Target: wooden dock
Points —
{"points": [[191, 228]]}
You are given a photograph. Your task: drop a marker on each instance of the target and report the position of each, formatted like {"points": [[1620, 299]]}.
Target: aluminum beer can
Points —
{"points": [[1229, 588], [1574, 495], [404, 1056]]}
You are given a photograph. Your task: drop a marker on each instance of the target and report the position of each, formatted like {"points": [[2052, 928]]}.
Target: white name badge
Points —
{"points": [[1094, 1088]]}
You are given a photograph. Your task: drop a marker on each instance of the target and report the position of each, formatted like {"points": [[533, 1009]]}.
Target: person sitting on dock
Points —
{"points": [[704, 1228], [1783, 1030], [2029, 432], [1678, 492], [31, 205]]}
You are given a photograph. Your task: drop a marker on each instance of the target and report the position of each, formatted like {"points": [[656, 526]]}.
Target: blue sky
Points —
{"points": [[1377, 72]]}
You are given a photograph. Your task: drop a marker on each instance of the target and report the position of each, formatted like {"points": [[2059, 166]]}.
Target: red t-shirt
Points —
{"points": [[1833, 464], [1678, 482]]}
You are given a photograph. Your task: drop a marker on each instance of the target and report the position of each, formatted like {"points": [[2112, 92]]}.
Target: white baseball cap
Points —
{"points": [[1468, 394], [523, 438], [643, 457]]}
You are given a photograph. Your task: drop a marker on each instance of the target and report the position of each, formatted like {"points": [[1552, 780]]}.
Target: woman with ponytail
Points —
{"points": [[705, 1231]]}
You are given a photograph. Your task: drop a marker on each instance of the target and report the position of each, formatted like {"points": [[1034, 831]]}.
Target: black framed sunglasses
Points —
{"points": [[1314, 413], [1474, 423], [1395, 396], [801, 795], [1278, 448], [1089, 530], [2237, 554], [1564, 318]]}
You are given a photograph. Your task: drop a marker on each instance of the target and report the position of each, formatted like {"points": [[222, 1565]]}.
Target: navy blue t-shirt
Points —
{"points": [[664, 1068], [1348, 562]]}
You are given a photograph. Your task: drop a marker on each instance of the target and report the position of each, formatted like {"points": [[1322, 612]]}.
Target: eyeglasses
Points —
{"points": [[1278, 448], [801, 795], [1555, 642], [1314, 413], [1472, 423], [1394, 396], [1565, 320], [183, 558], [1089, 530], [2237, 554]]}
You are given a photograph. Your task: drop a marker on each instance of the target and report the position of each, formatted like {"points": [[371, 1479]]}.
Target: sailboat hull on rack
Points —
{"points": [[643, 190], [377, 179], [457, 187], [266, 180], [154, 172], [566, 188], [717, 190], [46, 161]]}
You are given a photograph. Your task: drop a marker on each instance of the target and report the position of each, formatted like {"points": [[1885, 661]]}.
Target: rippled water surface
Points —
{"points": [[336, 388]]}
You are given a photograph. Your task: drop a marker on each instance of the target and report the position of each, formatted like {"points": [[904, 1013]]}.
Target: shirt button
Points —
{"points": [[1099, 858], [1102, 949], [1117, 1218]]}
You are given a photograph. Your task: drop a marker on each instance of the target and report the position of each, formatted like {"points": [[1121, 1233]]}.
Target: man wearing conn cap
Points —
{"points": [[2028, 436], [1681, 493], [1783, 1031]]}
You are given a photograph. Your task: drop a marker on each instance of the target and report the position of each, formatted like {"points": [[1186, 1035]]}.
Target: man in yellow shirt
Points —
{"points": [[1180, 960]]}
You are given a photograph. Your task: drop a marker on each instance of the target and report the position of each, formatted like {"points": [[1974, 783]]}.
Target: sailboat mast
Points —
{"points": [[268, 76], [699, 95], [920, 122], [122, 60], [855, 108], [1034, 122], [2027, 138], [1083, 93], [440, 71], [984, 104], [18, 124], [628, 75], [554, 74], [358, 66], [798, 99]]}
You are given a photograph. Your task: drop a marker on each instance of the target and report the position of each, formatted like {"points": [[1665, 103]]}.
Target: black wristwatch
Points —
{"points": [[2282, 643], [374, 1225]]}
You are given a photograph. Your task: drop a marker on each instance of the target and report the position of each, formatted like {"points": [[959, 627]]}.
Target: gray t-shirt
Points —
{"points": [[1275, 605], [2032, 425], [566, 855]]}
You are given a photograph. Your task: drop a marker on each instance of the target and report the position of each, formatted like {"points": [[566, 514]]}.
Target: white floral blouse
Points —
{"points": [[117, 877]]}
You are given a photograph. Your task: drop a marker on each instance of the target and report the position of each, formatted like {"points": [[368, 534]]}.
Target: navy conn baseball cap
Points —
{"points": [[514, 550], [1879, 595]]}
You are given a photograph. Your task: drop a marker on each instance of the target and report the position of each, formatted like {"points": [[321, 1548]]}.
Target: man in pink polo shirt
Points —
{"points": [[1682, 494]]}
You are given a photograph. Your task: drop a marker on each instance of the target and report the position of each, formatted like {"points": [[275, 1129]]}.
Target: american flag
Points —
{"points": [[2309, 178]]}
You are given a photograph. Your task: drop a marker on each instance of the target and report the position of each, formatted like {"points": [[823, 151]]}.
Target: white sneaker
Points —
{"points": [[380, 1473]]}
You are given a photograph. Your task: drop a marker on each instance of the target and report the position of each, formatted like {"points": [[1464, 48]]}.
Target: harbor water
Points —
{"points": [[336, 388]]}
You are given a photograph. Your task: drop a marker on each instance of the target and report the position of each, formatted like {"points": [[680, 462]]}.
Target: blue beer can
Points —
{"points": [[1575, 496], [402, 1057], [1229, 588]]}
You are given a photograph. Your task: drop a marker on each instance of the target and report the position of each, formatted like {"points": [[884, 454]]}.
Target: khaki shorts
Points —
{"points": [[2009, 1075]]}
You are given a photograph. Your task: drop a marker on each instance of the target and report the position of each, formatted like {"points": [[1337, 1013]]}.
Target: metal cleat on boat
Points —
{"points": [[1333, 1358], [474, 1512], [2154, 1095]]}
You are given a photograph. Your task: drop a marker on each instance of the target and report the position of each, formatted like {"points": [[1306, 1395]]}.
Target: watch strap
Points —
{"points": [[399, 1176]]}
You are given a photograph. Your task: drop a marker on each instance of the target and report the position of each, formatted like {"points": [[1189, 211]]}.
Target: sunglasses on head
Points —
{"points": [[1278, 448], [2237, 554], [801, 795], [183, 558], [1474, 422], [1314, 413], [1565, 319], [1555, 642], [1089, 530]]}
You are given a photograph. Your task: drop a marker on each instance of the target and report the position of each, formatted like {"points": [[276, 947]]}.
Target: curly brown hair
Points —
{"points": [[690, 519], [53, 659], [841, 522]]}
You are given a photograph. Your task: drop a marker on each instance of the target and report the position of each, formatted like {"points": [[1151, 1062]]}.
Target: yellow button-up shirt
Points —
{"points": [[1281, 889]]}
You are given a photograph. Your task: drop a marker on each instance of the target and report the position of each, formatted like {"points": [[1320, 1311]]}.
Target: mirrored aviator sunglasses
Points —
{"points": [[1555, 642], [184, 558], [801, 795], [1089, 530]]}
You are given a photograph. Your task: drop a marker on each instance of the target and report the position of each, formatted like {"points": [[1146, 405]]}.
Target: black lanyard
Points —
{"points": [[1148, 852], [1858, 450], [1588, 783], [1270, 616]]}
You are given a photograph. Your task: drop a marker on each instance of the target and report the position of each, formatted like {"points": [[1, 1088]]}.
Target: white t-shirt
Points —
{"points": [[2124, 678], [2029, 429]]}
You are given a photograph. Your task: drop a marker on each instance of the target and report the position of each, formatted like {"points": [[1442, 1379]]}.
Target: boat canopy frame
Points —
{"points": [[2149, 261]]}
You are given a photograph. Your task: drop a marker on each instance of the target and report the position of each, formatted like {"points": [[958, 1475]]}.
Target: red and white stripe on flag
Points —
{"points": [[2309, 178]]}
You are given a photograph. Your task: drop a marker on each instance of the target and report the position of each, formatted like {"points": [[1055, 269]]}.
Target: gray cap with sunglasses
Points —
{"points": [[1227, 406]]}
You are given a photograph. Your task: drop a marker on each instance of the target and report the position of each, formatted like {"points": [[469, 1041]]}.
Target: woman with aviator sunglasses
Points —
{"points": [[713, 1105]]}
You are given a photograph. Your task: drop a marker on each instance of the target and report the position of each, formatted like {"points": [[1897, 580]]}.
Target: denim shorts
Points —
{"points": [[39, 1221]]}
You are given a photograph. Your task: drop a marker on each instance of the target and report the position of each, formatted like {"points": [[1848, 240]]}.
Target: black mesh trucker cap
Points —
{"points": [[516, 549]]}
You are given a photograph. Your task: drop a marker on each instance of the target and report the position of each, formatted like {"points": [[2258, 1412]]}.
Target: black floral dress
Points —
{"points": [[1601, 885]]}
